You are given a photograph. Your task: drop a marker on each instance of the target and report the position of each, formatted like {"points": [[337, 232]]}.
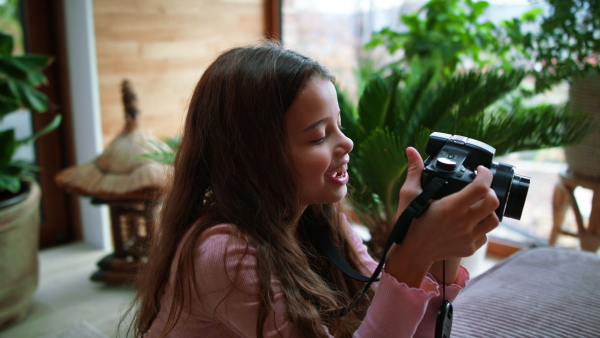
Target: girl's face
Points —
{"points": [[318, 147]]}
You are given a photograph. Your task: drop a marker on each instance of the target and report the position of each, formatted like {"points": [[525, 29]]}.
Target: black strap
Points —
{"points": [[415, 209], [326, 246]]}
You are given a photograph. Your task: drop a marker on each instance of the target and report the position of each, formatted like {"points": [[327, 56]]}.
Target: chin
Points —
{"points": [[338, 197], [329, 199]]}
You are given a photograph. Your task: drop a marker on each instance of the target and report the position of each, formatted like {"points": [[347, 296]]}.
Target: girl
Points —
{"points": [[263, 154]]}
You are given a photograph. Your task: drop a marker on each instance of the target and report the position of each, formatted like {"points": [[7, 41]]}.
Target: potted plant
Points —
{"points": [[567, 48], [19, 193]]}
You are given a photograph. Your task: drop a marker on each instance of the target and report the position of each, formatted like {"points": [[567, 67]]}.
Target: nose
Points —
{"points": [[346, 145]]}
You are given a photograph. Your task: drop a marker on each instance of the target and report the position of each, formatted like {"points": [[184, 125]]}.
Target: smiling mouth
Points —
{"points": [[339, 172]]}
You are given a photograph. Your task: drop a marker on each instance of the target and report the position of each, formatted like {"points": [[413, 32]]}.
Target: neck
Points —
{"points": [[296, 220]]}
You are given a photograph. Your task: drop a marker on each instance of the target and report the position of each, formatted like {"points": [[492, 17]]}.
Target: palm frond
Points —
{"points": [[403, 108], [374, 103]]}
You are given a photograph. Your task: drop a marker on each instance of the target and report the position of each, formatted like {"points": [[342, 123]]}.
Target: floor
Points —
{"points": [[67, 304]]}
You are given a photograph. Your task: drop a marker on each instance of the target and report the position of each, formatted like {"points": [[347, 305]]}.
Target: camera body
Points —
{"points": [[455, 158]]}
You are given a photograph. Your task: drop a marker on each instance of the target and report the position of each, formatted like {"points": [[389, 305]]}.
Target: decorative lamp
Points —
{"points": [[129, 184]]}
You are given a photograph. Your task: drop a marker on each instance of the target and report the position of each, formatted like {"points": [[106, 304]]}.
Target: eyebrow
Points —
{"points": [[315, 124]]}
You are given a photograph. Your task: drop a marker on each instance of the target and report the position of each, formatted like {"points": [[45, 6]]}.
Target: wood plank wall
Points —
{"points": [[162, 47]]}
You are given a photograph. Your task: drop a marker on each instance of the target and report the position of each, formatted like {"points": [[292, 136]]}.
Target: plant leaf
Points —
{"points": [[50, 127], [10, 183], [7, 105], [8, 147], [382, 164], [30, 97], [11, 69], [19, 167], [6, 44], [36, 79], [32, 62], [373, 104]]}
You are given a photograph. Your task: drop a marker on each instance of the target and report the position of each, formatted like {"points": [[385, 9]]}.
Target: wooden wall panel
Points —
{"points": [[162, 47]]}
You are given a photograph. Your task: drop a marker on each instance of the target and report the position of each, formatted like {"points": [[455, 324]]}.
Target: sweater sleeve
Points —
{"points": [[422, 304]]}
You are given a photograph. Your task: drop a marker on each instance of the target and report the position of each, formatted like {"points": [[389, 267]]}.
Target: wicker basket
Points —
{"points": [[584, 158]]}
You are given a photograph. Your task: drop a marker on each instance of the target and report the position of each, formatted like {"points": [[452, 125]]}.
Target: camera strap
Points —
{"points": [[415, 209]]}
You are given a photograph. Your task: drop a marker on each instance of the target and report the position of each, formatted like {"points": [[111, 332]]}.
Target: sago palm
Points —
{"points": [[402, 109]]}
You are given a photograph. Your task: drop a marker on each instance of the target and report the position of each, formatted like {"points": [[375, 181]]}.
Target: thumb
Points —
{"points": [[412, 185], [415, 169]]}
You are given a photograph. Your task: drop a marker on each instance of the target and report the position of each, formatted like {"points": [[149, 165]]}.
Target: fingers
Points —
{"points": [[479, 243], [463, 219], [473, 240], [480, 186], [479, 234], [483, 228], [478, 190], [486, 225]]}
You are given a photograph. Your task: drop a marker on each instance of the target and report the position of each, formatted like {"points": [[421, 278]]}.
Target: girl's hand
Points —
{"points": [[454, 226]]}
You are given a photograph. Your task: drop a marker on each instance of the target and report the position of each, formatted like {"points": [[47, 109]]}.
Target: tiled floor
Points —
{"points": [[67, 299]]}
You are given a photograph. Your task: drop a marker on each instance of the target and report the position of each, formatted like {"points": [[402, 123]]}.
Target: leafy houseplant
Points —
{"points": [[453, 30], [567, 49], [567, 44], [19, 193], [19, 75]]}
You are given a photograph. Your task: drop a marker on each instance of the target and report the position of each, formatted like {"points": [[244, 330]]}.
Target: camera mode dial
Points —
{"points": [[444, 163]]}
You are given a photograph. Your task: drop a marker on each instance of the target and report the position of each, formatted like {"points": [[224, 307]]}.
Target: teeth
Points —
{"points": [[338, 171]]}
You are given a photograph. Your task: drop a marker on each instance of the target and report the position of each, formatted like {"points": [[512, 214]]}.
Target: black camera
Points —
{"points": [[455, 158]]}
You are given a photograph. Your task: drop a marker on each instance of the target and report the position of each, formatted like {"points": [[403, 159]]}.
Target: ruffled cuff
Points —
{"points": [[451, 290], [396, 309]]}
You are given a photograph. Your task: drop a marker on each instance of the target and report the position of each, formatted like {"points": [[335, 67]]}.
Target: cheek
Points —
{"points": [[318, 163], [311, 167]]}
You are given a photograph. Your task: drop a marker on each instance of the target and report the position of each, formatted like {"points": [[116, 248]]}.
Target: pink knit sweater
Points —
{"points": [[396, 310]]}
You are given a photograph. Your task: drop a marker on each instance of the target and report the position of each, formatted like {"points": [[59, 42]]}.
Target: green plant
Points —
{"points": [[19, 75], [567, 44], [157, 152], [402, 109], [453, 29]]}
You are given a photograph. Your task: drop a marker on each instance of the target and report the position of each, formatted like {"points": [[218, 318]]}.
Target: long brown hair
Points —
{"points": [[233, 167]]}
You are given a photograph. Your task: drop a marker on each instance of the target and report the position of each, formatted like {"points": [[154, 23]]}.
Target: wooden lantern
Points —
{"points": [[129, 185]]}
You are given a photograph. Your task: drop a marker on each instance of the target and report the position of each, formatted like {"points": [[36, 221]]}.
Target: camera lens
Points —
{"points": [[516, 196]]}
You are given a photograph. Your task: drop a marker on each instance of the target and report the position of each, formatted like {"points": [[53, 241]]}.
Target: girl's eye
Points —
{"points": [[319, 141]]}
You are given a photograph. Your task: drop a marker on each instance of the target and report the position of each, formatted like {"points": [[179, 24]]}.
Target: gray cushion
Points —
{"points": [[537, 292]]}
